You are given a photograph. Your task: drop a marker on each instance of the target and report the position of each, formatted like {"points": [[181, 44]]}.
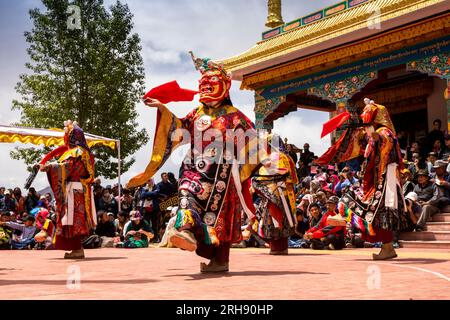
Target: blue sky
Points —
{"points": [[168, 30]]}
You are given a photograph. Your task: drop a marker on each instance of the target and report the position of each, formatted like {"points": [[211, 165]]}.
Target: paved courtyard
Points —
{"points": [[254, 275]]}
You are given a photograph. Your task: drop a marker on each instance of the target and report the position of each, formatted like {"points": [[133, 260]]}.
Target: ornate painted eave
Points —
{"points": [[295, 44]]}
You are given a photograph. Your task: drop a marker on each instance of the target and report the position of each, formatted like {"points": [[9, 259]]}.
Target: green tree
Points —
{"points": [[92, 73]]}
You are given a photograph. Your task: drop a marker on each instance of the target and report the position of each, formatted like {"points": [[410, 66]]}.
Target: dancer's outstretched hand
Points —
{"points": [[155, 103]]}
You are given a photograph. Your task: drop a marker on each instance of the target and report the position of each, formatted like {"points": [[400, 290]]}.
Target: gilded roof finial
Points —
{"points": [[274, 18]]}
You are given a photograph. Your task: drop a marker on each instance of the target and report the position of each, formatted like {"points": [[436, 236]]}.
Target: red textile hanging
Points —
{"points": [[170, 92]]}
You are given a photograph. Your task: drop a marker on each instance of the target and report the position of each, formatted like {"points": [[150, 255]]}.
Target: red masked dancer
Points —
{"points": [[213, 186], [71, 181], [381, 210]]}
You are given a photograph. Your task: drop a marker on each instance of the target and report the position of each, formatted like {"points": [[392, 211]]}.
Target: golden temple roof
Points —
{"points": [[338, 24]]}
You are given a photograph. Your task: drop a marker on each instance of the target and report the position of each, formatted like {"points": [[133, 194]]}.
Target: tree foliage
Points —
{"points": [[93, 75]]}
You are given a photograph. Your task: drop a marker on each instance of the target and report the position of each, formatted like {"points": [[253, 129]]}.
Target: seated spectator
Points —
{"points": [[446, 151], [5, 232], [138, 232], [126, 201], [441, 195], [432, 157], [105, 228], [435, 134], [342, 184], [27, 229], [20, 200], [333, 179], [314, 215], [47, 229], [120, 222], [8, 203], [302, 216], [111, 217], [50, 202], [423, 188], [31, 200], [165, 240], [416, 164], [406, 180], [107, 202], [413, 207], [414, 149], [438, 148], [251, 237], [324, 235], [321, 200]]}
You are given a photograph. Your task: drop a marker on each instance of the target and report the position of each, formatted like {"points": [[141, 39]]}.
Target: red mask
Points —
{"points": [[214, 86]]}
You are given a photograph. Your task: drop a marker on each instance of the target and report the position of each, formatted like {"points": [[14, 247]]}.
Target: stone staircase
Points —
{"points": [[437, 235]]}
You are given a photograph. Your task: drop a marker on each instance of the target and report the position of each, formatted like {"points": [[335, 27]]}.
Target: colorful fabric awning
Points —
{"points": [[47, 137]]}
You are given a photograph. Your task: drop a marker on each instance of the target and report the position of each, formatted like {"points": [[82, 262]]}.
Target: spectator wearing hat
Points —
{"points": [[8, 203], [406, 180], [27, 229], [138, 232], [423, 188], [440, 197], [333, 179], [324, 235]]}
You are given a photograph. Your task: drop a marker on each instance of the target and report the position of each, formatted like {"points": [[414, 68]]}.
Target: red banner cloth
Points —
{"points": [[170, 92], [334, 123]]}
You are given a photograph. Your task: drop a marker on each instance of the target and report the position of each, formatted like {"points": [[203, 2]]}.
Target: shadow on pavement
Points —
{"points": [[64, 282], [408, 260], [203, 276], [91, 259]]}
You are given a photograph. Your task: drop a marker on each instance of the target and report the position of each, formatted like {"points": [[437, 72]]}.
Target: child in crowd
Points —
{"points": [[27, 229], [326, 236], [5, 232], [47, 229]]}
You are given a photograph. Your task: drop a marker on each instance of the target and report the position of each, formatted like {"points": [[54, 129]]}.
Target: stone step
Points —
{"points": [[426, 236], [425, 244], [438, 226], [442, 217]]}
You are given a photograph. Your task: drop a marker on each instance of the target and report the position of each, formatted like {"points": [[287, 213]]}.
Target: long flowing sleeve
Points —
{"points": [[163, 146]]}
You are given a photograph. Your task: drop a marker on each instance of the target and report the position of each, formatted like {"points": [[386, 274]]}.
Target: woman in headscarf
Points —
{"points": [[71, 179]]}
